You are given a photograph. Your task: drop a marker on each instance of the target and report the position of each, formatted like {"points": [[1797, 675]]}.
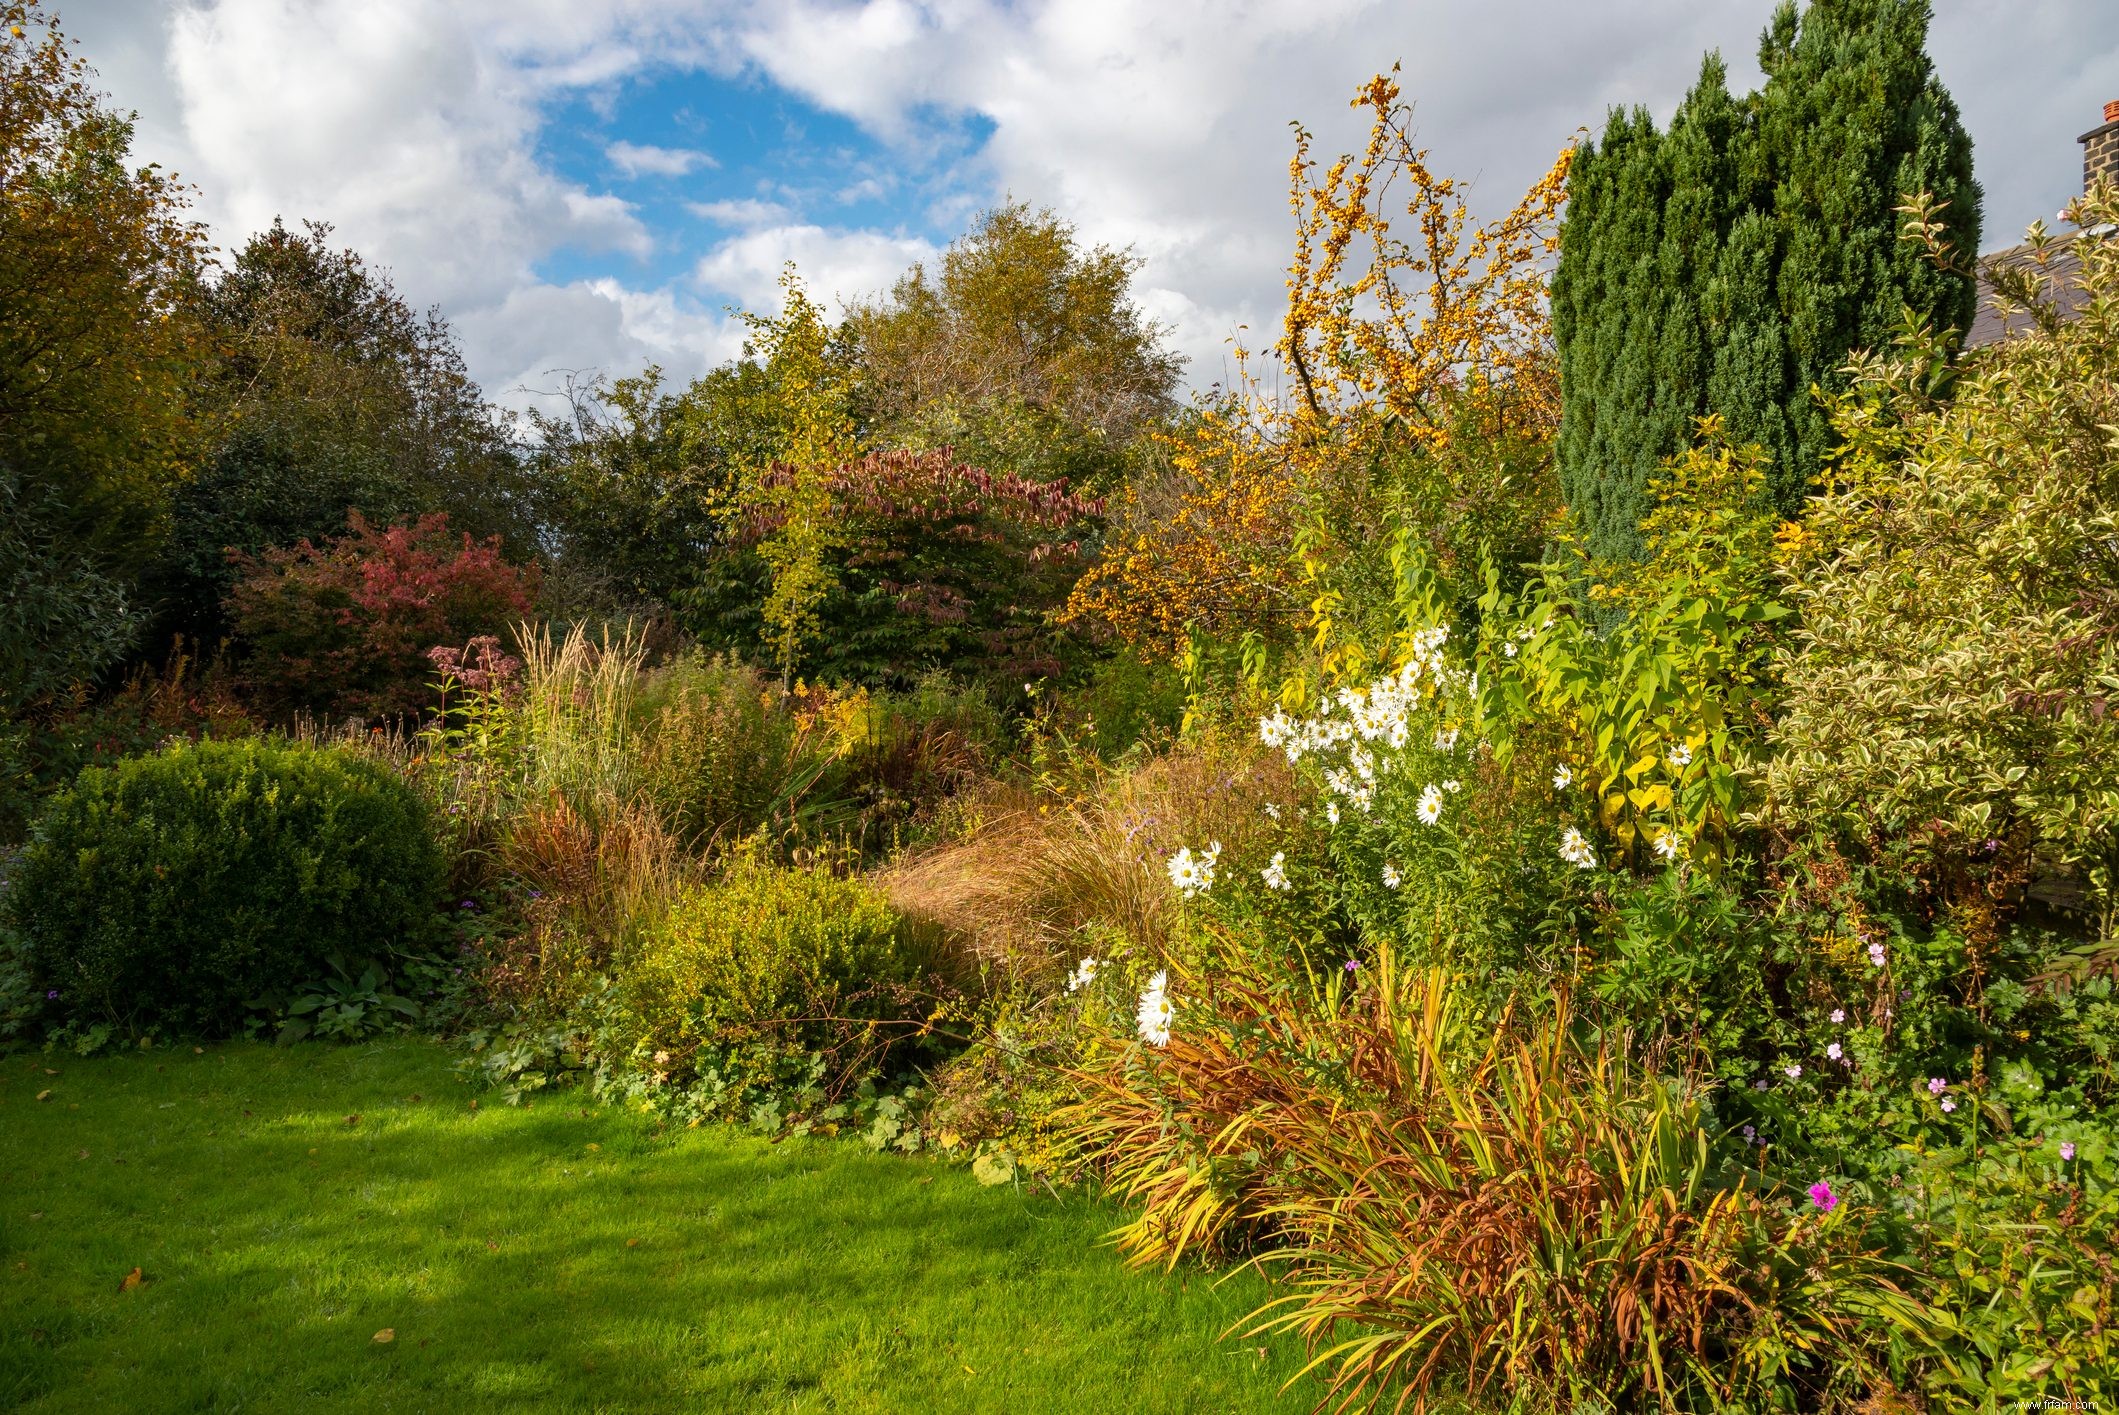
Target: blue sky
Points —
{"points": [[703, 156], [588, 187]]}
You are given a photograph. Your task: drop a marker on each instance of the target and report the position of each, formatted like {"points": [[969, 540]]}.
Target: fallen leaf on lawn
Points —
{"points": [[632, 1243], [353, 1120], [474, 1105], [198, 1051], [83, 1155], [969, 1372], [416, 1096], [312, 1150], [594, 1146], [49, 1072], [44, 1095], [386, 1336], [133, 1279], [491, 1244]]}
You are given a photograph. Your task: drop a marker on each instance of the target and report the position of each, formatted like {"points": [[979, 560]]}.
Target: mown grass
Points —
{"points": [[286, 1205]]}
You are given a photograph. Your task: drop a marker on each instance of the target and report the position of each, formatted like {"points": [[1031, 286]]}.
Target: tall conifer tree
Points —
{"points": [[1732, 263]]}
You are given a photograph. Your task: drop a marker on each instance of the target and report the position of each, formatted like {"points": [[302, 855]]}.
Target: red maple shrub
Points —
{"points": [[344, 627]]}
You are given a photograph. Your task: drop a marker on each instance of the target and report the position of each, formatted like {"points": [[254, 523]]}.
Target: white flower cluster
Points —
{"points": [[1194, 874], [1370, 723], [1156, 1011], [1084, 974], [1275, 874], [1575, 850]]}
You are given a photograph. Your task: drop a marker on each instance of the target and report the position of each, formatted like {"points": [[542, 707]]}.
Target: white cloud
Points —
{"points": [[635, 159], [416, 126], [746, 212], [843, 267]]}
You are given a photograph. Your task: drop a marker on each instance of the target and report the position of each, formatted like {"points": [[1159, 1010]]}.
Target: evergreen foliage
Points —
{"points": [[1732, 263]]}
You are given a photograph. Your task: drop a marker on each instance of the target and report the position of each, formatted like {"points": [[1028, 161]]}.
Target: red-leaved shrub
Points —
{"points": [[344, 627]]}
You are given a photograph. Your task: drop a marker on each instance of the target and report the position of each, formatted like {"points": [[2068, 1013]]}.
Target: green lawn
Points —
{"points": [[286, 1205]]}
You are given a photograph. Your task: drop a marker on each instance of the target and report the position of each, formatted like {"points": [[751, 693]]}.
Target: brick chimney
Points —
{"points": [[2100, 149]]}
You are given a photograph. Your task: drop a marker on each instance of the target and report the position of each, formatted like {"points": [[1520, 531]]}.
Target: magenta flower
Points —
{"points": [[1352, 964], [1936, 1085], [1821, 1195], [2067, 1149]]}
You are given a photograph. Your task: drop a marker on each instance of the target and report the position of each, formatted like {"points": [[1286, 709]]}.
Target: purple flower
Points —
{"points": [[1821, 1195], [1936, 1085], [467, 904], [52, 996], [1352, 964], [1750, 1134], [2067, 1149], [1948, 1105]]}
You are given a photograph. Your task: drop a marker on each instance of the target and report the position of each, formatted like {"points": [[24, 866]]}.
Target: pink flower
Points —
{"points": [[1936, 1085], [2067, 1149], [1821, 1195], [1948, 1105]]}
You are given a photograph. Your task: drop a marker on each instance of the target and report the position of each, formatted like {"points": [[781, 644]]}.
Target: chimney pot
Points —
{"points": [[2100, 150]]}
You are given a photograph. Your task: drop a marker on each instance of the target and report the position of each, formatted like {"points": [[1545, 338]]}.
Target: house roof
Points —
{"points": [[2065, 291]]}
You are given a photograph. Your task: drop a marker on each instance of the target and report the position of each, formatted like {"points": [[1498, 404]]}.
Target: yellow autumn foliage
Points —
{"points": [[1393, 321]]}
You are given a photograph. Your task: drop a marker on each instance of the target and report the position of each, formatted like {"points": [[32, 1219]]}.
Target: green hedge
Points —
{"points": [[174, 889]]}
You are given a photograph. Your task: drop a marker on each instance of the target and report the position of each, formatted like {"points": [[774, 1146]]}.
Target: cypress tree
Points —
{"points": [[1772, 255]]}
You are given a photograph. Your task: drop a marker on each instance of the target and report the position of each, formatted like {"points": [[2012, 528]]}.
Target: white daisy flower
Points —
{"points": [[1563, 776], [1156, 1011], [1192, 874], [1452, 786], [1275, 874], [1430, 811], [1272, 811], [1681, 756], [1446, 741], [1084, 974], [1666, 845], [1390, 877], [1575, 850], [1331, 812]]}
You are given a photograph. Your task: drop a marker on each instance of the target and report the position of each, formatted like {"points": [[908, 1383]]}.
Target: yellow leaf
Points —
{"points": [[133, 1279], [386, 1336]]}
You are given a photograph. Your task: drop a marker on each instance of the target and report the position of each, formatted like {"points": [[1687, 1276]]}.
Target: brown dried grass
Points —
{"points": [[1040, 870]]}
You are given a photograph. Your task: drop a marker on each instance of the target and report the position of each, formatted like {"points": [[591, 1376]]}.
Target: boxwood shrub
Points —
{"points": [[771, 977], [174, 889]]}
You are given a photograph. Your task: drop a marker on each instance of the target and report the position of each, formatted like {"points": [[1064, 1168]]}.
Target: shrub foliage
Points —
{"points": [[180, 888]]}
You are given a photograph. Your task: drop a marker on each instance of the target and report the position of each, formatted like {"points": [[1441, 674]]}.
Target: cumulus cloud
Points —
{"points": [[636, 159], [418, 127], [844, 267]]}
